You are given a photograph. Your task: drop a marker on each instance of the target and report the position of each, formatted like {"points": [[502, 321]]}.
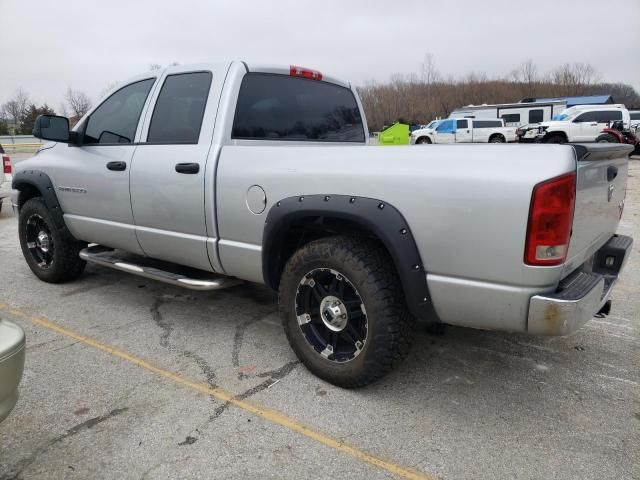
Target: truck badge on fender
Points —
{"points": [[72, 189]]}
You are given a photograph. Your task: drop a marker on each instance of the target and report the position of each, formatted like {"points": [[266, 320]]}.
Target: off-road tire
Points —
{"points": [[369, 268], [65, 264]]}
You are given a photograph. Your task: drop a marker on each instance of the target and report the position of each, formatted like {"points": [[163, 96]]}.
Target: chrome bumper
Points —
{"points": [[582, 294]]}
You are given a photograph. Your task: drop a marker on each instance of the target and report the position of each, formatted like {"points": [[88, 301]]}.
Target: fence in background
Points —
{"points": [[18, 143]]}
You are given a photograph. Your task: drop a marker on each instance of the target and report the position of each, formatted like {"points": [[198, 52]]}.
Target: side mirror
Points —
{"points": [[52, 127]]}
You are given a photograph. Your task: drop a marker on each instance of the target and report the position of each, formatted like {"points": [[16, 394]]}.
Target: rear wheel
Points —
{"points": [[51, 253], [343, 310], [607, 138], [497, 139]]}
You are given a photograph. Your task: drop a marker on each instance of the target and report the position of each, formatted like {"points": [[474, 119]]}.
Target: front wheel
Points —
{"points": [[343, 310], [423, 141], [51, 253]]}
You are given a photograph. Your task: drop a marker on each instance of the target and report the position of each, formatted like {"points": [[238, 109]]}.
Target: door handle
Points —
{"points": [[188, 168], [117, 166], [594, 124], [612, 172]]}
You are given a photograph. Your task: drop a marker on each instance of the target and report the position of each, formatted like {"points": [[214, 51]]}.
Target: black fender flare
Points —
{"points": [[377, 216], [40, 180]]}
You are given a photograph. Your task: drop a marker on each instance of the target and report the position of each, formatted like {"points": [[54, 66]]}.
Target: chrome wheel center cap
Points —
{"points": [[43, 241], [333, 313]]}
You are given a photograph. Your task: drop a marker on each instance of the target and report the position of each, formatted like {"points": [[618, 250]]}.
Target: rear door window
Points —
{"points": [[116, 119], [606, 116], [487, 124], [279, 107], [463, 123], [177, 116]]}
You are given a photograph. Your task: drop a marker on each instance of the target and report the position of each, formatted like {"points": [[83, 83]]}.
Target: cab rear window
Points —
{"points": [[278, 107]]}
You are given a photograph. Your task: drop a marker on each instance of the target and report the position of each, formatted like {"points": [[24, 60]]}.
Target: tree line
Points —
{"points": [[418, 98], [414, 98], [19, 113]]}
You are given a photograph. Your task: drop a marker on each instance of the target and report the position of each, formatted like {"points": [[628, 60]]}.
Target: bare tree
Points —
{"points": [[16, 107], [79, 103], [428, 71]]}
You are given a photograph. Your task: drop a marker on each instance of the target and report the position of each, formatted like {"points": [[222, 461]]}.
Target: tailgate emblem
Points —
{"points": [[610, 192]]}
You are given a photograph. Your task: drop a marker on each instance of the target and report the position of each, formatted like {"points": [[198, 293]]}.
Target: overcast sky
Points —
{"points": [[46, 45]]}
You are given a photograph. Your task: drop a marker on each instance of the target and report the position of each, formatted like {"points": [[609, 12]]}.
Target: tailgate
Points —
{"points": [[600, 193]]}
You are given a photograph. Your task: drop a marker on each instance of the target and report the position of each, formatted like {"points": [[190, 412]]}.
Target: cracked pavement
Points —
{"points": [[465, 404]]}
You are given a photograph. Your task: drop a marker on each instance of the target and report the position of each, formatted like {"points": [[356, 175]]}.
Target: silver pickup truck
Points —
{"points": [[208, 176]]}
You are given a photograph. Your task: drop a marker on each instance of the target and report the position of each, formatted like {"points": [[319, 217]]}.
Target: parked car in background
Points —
{"points": [[634, 116], [513, 114], [12, 351], [264, 174], [419, 135], [466, 130], [582, 123], [5, 176]]}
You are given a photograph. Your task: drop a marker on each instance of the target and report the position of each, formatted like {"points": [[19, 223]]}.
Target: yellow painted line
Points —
{"points": [[268, 414]]}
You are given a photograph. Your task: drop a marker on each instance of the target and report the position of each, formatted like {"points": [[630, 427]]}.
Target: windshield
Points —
{"points": [[564, 115], [433, 124]]}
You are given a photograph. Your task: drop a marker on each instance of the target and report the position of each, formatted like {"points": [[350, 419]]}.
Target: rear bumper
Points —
{"points": [[582, 294]]}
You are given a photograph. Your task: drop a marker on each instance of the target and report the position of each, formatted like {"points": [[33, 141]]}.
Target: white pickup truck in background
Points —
{"points": [[466, 130]]}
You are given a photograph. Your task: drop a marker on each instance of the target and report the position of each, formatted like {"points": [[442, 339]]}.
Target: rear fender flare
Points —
{"points": [[377, 216]]}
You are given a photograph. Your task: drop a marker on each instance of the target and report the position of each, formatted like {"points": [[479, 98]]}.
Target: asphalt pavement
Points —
{"points": [[129, 378]]}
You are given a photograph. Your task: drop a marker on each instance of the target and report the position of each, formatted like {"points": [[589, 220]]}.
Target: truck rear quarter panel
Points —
{"points": [[467, 207]]}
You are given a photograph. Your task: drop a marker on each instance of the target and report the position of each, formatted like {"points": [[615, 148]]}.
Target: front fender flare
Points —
{"points": [[40, 181], [377, 216]]}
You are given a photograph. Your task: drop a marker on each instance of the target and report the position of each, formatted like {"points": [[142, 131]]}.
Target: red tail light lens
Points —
{"points": [[296, 71], [550, 220], [6, 164]]}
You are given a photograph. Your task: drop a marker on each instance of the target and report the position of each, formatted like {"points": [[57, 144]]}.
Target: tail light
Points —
{"points": [[296, 71], [6, 164], [550, 220]]}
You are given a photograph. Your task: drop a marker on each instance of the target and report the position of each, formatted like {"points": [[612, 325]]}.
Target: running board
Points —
{"points": [[106, 257]]}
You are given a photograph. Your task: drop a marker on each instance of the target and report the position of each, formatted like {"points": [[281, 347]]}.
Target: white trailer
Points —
{"points": [[513, 114]]}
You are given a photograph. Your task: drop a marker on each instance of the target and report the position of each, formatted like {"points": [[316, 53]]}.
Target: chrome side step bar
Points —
{"points": [[106, 257]]}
